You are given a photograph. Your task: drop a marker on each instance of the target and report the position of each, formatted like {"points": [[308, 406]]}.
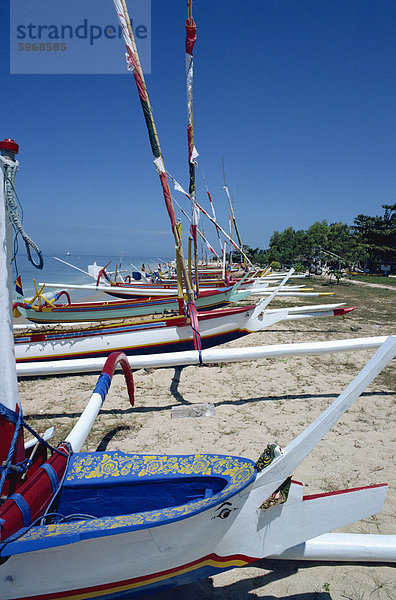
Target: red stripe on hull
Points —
{"points": [[145, 579], [337, 492]]}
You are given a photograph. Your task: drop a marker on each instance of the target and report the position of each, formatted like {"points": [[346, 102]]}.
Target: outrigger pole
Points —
{"points": [[134, 65], [240, 249], [232, 213]]}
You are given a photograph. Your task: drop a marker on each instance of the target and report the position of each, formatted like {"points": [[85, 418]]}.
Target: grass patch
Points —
{"points": [[380, 279], [374, 305]]}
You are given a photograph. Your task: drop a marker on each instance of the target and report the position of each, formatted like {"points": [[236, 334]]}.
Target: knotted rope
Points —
{"points": [[7, 467], [13, 214]]}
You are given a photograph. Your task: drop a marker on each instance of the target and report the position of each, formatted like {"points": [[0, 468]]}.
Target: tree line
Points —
{"points": [[367, 244]]}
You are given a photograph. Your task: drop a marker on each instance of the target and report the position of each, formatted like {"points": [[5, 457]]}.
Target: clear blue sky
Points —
{"points": [[298, 96]]}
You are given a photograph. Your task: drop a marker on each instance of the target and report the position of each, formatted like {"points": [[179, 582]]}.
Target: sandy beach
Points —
{"points": [[260, 402]]}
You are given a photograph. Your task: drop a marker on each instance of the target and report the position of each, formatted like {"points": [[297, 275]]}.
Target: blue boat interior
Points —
{"points": [[105, 493], [105, 484], [112, 498]]}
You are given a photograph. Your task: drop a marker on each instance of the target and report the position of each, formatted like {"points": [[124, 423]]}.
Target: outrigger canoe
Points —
{"points": [[49, 311], [38, 344], [114, 525]]}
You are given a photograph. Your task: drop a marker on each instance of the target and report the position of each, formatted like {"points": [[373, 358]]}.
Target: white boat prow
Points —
{"points": [[284, 465]]}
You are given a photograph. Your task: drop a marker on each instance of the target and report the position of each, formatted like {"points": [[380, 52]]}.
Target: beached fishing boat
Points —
{"points": [[112, 525], [51, 311], [128, 287], [127, 524], [39, 344], [144, 290]]}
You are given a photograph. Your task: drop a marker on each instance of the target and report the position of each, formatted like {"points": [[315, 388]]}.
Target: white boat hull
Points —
{"points": [[35, 345], [232, 512], [141, 338], [161, 557]]}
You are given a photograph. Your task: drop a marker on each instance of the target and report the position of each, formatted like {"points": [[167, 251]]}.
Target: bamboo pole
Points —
{"points": [[154, 139], [191, 357], [190, 27]]}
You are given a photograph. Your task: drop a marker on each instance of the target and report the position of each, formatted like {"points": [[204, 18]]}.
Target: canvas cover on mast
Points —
{"points": [[191, 36]]}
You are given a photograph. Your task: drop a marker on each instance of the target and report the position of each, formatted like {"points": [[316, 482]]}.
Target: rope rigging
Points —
{"points": [[7, 467], [10, 195]]}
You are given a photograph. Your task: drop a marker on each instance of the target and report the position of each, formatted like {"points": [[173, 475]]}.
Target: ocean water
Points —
{"points": [[58, 272]]}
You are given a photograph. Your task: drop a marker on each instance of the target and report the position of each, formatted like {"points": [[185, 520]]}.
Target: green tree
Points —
{"points": [[371, 239], [335, 243], [378, 236], [285, 246], [317, 236]]}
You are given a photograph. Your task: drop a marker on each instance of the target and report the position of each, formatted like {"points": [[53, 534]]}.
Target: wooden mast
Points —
{"points": [[135, 66], [191, 36]]}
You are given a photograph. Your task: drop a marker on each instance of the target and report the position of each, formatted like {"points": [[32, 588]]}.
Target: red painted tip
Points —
{"points": [[343, 311], [9, 144], [110, 365]]}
